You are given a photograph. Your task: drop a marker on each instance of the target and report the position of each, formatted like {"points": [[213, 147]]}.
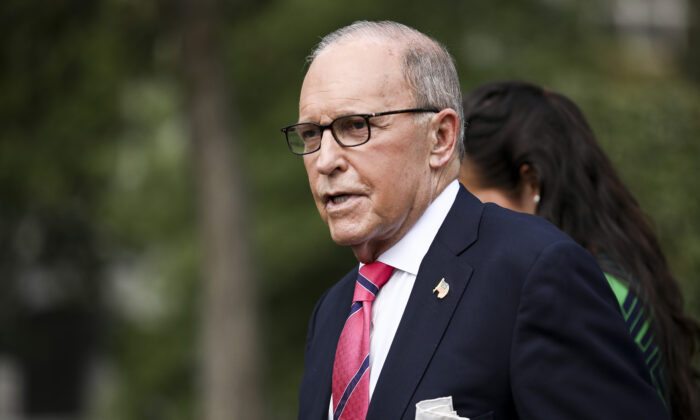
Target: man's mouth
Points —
{"points": [[338, 199]]}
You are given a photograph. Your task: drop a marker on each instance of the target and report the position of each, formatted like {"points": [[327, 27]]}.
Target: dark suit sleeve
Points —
{"points": [[572, 356]]}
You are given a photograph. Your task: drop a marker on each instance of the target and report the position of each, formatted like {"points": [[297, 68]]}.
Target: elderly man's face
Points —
{"points": [[369, 195]]}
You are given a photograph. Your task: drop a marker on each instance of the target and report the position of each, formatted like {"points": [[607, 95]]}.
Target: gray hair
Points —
{"points": [[427, 66]]}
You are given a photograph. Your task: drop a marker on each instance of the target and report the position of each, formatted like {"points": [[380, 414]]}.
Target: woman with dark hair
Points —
{"points": [[531, 150]]}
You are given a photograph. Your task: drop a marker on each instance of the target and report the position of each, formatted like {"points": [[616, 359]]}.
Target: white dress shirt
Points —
{"points": [[405, 256]]}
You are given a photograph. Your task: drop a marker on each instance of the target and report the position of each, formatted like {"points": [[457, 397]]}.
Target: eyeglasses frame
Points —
{"points": [[323, 128]]}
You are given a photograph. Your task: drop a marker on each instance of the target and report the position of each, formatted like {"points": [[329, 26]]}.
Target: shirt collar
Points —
{"points": [[407, 254]]}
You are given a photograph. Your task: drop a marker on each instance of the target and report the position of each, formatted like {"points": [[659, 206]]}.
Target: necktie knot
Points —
{"points": [[370, 279]]}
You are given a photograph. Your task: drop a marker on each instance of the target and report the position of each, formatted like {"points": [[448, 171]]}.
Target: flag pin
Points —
{"points": [[442, 288]]}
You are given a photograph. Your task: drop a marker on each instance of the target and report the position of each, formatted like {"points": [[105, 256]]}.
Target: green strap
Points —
{"points": [[622, 294]]}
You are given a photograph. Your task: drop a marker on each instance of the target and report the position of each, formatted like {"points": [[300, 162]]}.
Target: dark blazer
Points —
{"points": [[529, 330]]}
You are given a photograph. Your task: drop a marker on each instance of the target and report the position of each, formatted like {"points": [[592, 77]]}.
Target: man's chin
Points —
{"points": [[358, 244], [345, 240]]}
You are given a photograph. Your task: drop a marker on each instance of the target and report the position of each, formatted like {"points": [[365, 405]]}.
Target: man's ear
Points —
{"points": [[444, 135]]}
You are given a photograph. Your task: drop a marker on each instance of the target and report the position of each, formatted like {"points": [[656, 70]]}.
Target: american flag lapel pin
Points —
{"points": [[442, 288]]}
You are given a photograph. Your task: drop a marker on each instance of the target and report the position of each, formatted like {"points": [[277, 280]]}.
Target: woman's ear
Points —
{"points": [[529, 186]]}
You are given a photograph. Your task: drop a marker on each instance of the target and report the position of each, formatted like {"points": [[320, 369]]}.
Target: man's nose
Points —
{"points": [[331, 154]]}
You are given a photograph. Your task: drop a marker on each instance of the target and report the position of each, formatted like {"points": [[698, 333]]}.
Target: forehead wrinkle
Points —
{"points": [[329, 98], [323, 111]]}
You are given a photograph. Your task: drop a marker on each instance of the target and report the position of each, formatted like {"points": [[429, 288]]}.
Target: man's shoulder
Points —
{"points": [[510, 239], [472, 223], [499, 222]]}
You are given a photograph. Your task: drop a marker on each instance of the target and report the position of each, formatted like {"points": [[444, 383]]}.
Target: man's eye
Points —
{"points": [[353, 124], [359, 124], [309, 133]]}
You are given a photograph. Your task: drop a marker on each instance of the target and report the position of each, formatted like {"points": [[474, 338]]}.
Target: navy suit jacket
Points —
{"points": [[528, 330]]}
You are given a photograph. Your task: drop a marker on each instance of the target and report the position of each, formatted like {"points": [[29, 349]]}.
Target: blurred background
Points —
{"points": [[160, 253]]}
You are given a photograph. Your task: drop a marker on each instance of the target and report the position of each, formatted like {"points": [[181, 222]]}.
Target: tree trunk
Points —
{"points": [[229, 362]]}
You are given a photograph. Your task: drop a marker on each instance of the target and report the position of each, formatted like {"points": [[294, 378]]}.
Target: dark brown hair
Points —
{"points": [[516, 123]]}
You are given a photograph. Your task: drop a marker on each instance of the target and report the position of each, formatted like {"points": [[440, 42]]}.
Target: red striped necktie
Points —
{"points": [[351, 366]]}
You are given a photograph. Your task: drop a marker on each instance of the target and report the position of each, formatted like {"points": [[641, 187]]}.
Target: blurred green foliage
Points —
{"points": [[93, 132]]}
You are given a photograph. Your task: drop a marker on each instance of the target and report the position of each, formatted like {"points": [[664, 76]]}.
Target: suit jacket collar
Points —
{"points": [[461, 226]]}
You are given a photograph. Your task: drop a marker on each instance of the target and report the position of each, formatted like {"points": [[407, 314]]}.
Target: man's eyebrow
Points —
{"points": [[341, 113]]}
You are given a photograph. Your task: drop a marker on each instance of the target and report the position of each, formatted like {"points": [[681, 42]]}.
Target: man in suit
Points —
{"points": [[498, 310]]}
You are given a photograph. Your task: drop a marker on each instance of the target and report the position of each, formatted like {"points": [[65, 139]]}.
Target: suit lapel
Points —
{"points": [[333, 325], [426, 317]]}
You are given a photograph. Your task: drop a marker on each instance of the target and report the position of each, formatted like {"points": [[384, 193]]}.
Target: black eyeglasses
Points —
{"points": [[348, 130]]}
